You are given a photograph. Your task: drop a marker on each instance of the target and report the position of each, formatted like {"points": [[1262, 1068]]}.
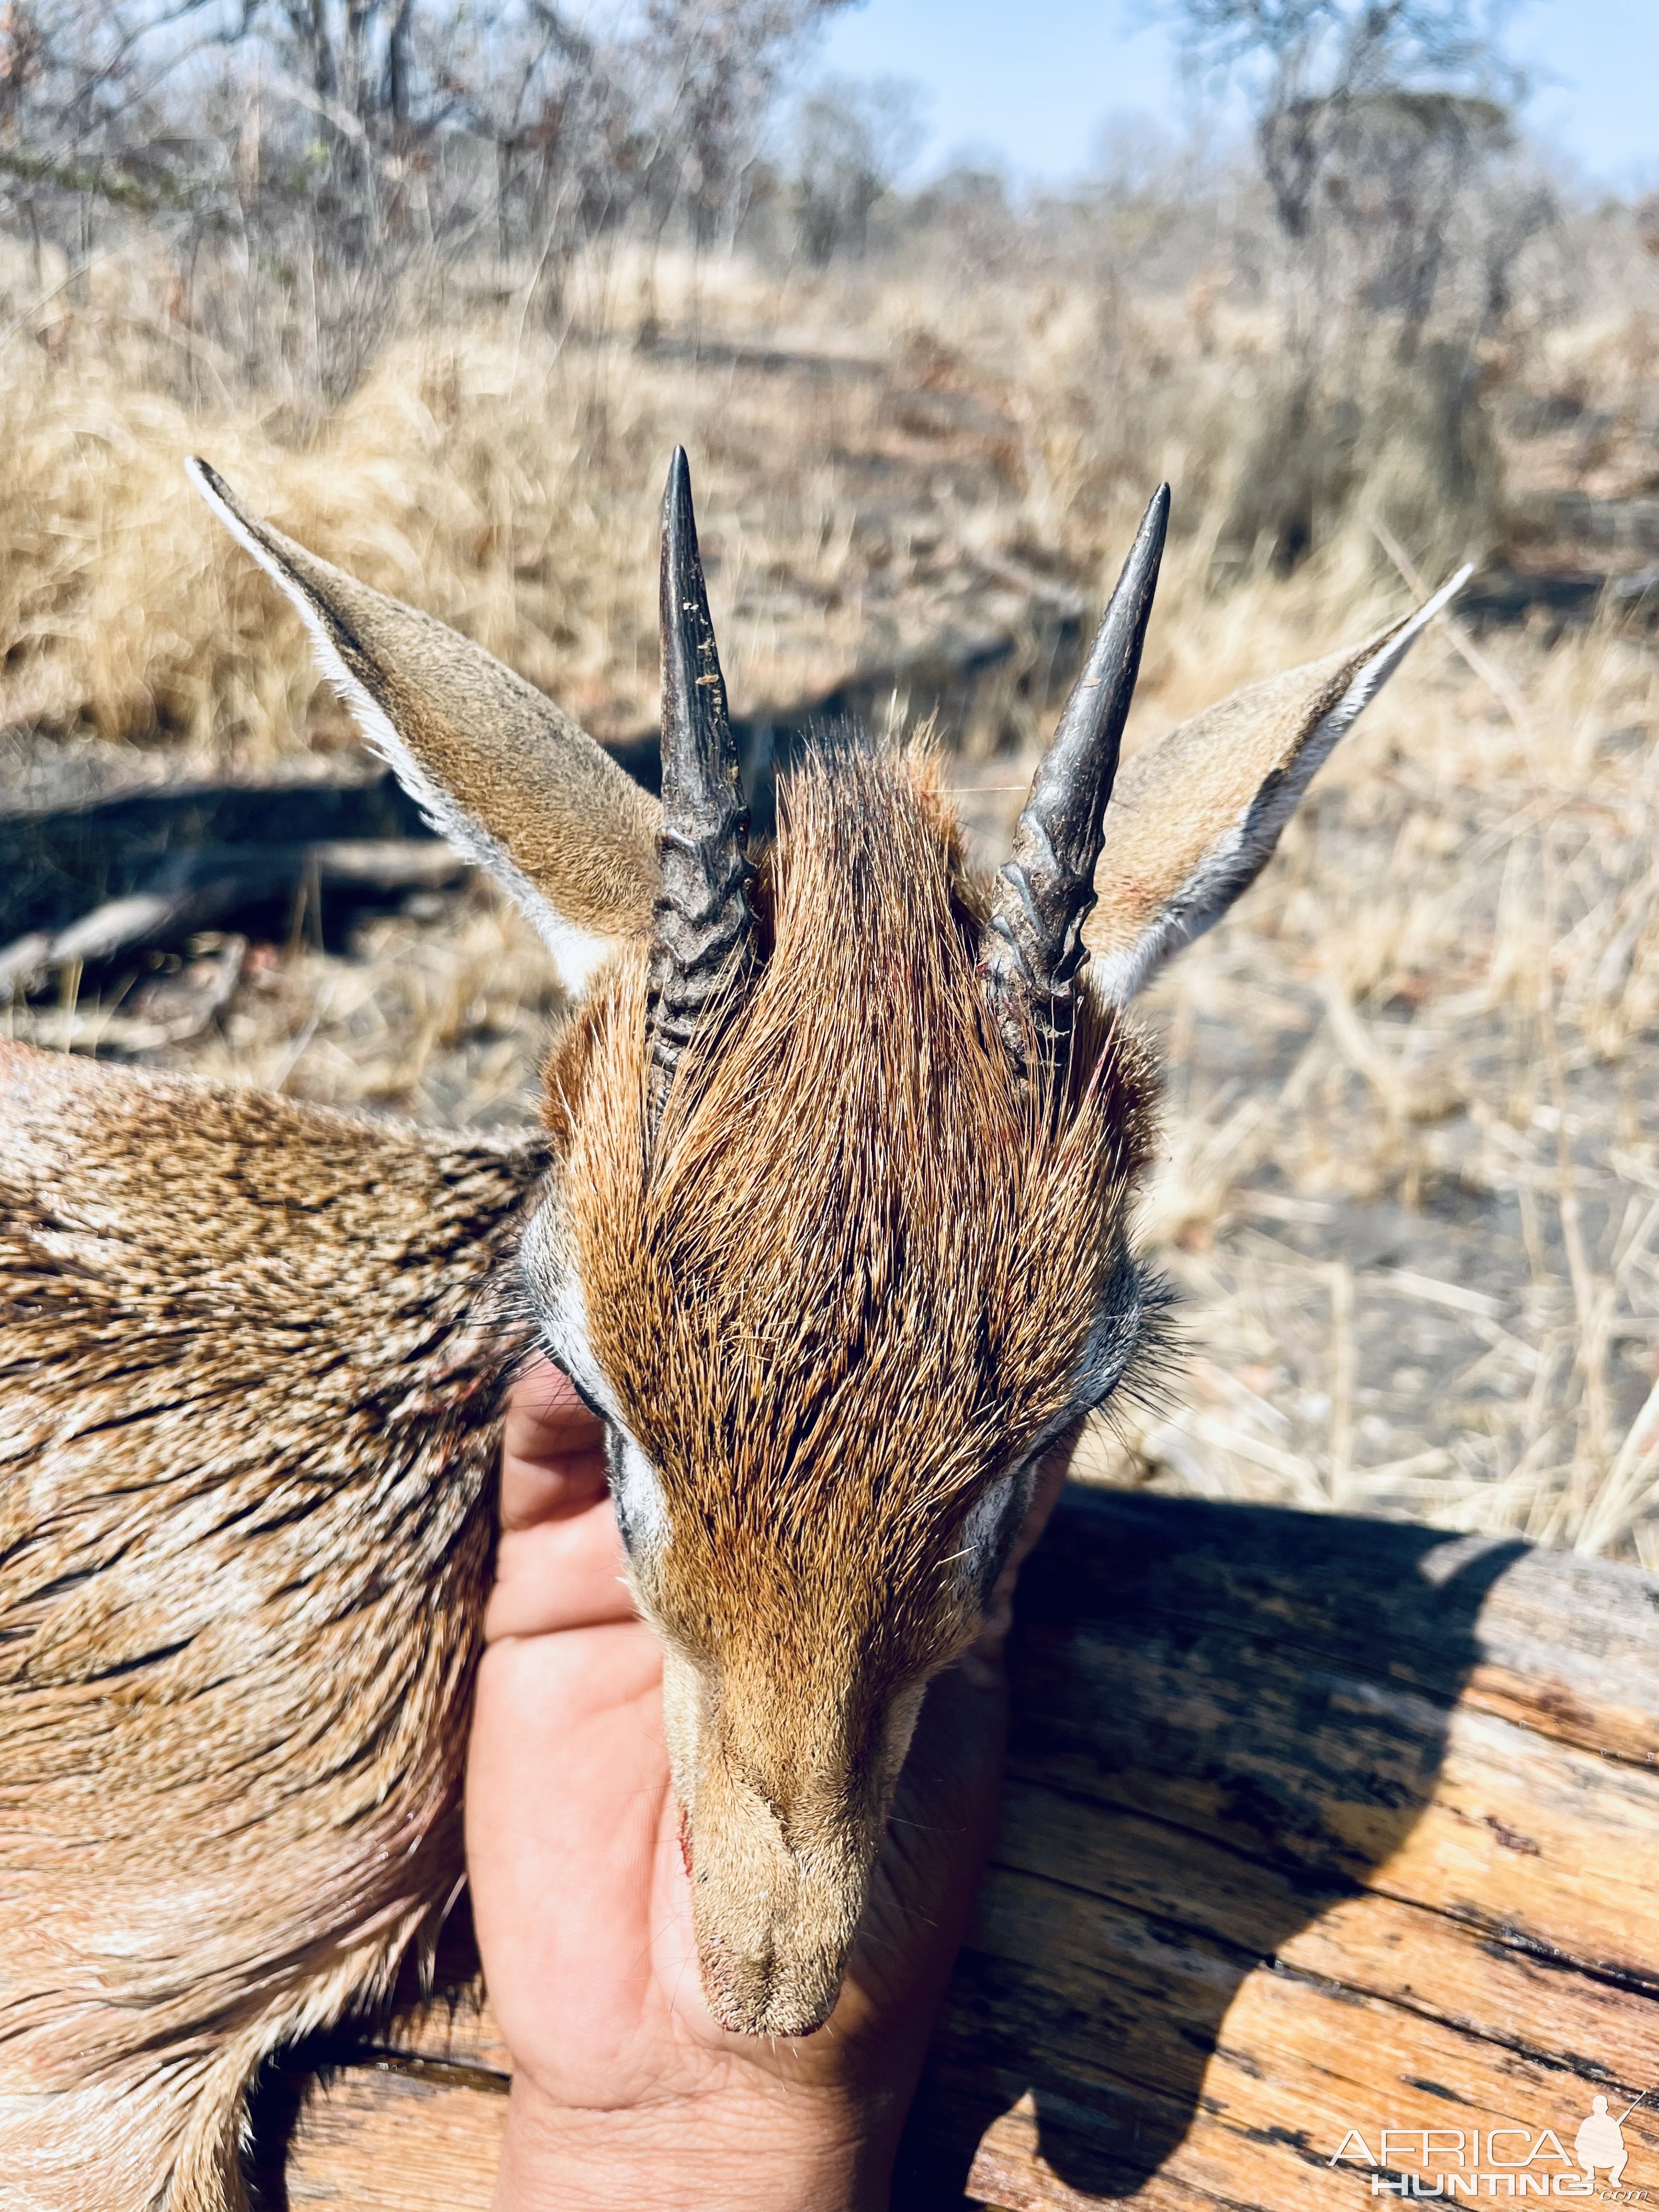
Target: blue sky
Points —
{"points": [[1031, 81]]}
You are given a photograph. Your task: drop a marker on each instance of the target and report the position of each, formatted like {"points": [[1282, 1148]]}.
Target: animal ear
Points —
{"points": [[511, 780], [1194, 818]]}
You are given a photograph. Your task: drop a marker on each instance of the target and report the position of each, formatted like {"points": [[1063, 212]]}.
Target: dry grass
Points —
{"points": [[510, 482], [1409, 1192], [873, 460], [1409, 1183]]}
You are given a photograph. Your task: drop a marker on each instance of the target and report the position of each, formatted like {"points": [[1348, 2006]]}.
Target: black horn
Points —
{"points": [[1033, 945], [704, 942]]}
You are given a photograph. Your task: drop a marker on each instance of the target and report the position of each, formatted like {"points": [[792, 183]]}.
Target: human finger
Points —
{"points": [[552, 1450]]}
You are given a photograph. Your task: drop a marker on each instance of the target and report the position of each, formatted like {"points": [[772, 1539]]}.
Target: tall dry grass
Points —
{"points": [[1409, 1184], [506, 478], [1411, 1187]]}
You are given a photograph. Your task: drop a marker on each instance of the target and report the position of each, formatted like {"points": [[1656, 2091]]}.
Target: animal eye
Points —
{"points": [[1125, 1336], [990, 1525], [636, 1491], [575, 1382]]}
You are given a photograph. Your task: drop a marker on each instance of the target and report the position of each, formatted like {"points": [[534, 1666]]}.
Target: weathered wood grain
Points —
{"points": [[381, 2141], [1311, 1826]]}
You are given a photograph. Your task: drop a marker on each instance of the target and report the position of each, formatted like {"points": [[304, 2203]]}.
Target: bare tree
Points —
{"points": [[1401, 199], [1385, 133], [851, 142], [1306, 65], [330, 149], [715, 67], [82, 94]]}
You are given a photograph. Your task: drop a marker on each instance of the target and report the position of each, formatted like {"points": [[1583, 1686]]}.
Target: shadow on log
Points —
{"points": [[1310, 1823], [1226, 1720]]}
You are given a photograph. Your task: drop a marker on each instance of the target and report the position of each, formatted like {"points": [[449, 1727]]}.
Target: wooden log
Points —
{"points": [[201, 890], [58, 863], [1312, 1826], [205, 889]]}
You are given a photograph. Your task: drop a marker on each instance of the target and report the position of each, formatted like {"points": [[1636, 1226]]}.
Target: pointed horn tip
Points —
{"points": [[1155, 523], [1437, 602], [679, 513], [205, 478], [1137, 580]]}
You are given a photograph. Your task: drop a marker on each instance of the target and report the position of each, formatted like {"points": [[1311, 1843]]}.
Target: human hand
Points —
{"points": [[625, 2092]]}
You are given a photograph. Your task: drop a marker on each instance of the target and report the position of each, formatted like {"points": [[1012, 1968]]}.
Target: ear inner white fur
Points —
{"points": [[554, 1292], [1242, 844], [636, 1489], [567, 795]]}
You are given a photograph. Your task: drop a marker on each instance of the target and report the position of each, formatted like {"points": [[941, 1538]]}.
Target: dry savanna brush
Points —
{"points": [[1377, 1158]]}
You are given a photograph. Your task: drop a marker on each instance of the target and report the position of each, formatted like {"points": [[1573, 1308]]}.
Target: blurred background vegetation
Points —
{"points": [[438, 286]]}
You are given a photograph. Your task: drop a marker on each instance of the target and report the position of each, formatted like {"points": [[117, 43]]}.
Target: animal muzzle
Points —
{"points": [[777, 1896]]}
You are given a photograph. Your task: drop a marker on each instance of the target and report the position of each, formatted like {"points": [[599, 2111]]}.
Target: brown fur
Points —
{"points": [[248, 1389], [853, 1277], [251, 1361], [848, 1287]]}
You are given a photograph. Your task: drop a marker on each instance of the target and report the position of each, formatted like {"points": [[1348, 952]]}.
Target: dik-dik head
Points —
{"points": [[836, 1238]]}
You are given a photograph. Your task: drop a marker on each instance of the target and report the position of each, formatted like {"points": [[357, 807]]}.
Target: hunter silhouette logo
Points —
{"points": [[1501, 2162], [1601, 2140]]}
